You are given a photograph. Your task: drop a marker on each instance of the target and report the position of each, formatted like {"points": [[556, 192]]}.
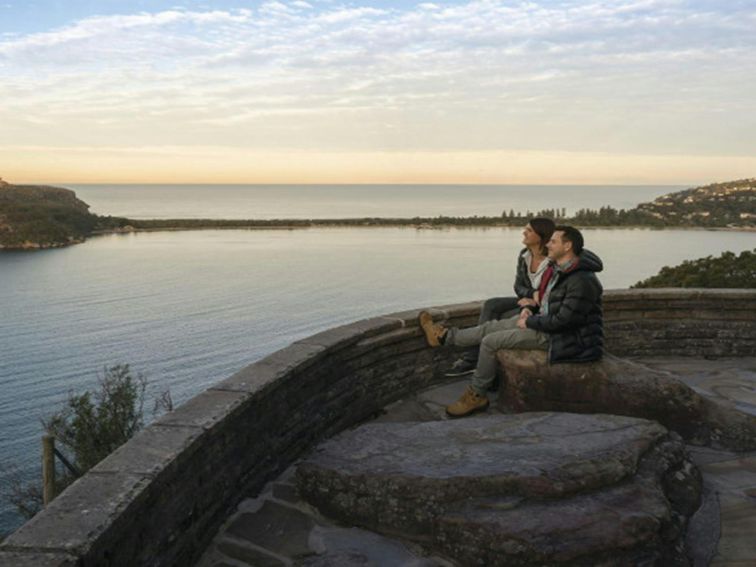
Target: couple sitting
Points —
{"points": [[557, 308]]}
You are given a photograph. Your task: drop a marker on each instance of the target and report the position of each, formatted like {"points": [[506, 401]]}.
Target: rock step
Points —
{"points": [[621, 524], [267, 533], [515, 484]]}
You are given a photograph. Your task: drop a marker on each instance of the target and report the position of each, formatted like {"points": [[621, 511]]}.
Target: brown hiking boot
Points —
{"points": [[434, 332], [470, 402]]}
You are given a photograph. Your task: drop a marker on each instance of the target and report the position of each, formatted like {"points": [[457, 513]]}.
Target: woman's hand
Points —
{"points": [[527, 302], [536, 297]]}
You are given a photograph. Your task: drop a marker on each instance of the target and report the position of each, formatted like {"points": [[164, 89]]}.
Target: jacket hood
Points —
{"points": [[589, 261]]}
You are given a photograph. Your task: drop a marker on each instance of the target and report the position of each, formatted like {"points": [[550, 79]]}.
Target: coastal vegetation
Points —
{"points": [[726, 271], [42, 217], [89, 427]]}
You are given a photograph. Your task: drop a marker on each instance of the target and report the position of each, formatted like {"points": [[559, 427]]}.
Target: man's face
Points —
{"points": [[557, 246]]}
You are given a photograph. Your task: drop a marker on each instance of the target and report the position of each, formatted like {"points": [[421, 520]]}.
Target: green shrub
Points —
{"points": [[725, 271], [94, 424], [88, 428]]}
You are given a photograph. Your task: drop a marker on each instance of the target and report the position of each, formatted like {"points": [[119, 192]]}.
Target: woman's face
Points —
{"points": [[529, 236]]}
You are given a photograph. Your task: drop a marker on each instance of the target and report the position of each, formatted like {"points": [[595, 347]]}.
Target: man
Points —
{"points": [[568, 322]]}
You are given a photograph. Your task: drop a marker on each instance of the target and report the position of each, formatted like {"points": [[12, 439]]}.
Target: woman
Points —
{"points": [[532, 262]]}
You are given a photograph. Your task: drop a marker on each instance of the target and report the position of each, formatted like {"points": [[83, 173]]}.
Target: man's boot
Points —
{"points": [[435, 333], [470, 402]]}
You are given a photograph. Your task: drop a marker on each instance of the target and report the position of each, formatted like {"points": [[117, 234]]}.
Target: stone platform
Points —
{"points": [[504, 490], [279, 528]]}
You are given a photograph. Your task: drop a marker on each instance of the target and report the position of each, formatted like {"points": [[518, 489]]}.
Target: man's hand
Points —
{"points": [[536, 297], [527, 302], [524, 314]]}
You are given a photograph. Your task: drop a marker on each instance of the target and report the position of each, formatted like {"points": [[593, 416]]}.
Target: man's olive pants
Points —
{"points": [[492, 310], [493, 336]]}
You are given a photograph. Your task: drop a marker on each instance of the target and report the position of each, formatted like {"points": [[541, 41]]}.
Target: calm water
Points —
{"points": [[352, 201]]}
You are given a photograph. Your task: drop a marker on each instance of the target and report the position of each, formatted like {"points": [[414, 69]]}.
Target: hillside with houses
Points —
{"points": [[720, 204]]}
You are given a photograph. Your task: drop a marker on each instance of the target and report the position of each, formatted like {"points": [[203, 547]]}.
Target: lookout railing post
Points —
{"points": [[48, 469]]}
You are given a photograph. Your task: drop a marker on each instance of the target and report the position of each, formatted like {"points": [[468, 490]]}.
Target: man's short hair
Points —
{"points": [[571, 234]]}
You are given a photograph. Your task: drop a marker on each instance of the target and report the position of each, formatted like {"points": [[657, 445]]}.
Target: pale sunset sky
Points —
{"points": [[377, 91]]}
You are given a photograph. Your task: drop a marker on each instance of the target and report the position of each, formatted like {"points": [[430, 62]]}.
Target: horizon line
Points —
{"points": [[343, 184]]}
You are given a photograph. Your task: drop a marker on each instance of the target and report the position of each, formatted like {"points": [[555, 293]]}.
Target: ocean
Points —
{"points": [[353, 201], [188, 309]]}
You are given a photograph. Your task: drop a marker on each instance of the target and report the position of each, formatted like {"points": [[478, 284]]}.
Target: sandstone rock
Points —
{"points": [[616, 524], [529, 489], [617, 386]]}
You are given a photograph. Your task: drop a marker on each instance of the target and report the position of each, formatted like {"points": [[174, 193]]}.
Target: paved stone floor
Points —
{"points": [[278, 529], [730, 479]]}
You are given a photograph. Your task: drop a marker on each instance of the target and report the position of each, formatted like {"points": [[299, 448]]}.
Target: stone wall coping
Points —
{"points": [[154, 449], [258, 376], [666, 293], [81, 516], [337, 338], [205, 409]]}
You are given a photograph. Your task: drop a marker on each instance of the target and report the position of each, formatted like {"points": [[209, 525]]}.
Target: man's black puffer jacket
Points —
{"points": [[574, 320]]}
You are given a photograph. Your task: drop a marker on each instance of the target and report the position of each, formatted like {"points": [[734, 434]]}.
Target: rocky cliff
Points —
{"points": [[33, 216]]}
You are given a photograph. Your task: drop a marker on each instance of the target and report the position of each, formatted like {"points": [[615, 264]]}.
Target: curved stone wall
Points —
{"points": [[688, 322], [159, 499]]}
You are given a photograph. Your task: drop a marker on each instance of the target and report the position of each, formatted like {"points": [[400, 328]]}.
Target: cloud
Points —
{"points": [[120, 28], [348, 14], [274, 7], [616, 75]]}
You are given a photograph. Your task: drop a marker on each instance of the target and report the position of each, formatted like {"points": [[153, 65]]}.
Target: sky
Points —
{"points": [[322, 91]]}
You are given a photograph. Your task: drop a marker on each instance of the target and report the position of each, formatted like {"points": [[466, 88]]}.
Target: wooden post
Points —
{"points": [[48, 469]]}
